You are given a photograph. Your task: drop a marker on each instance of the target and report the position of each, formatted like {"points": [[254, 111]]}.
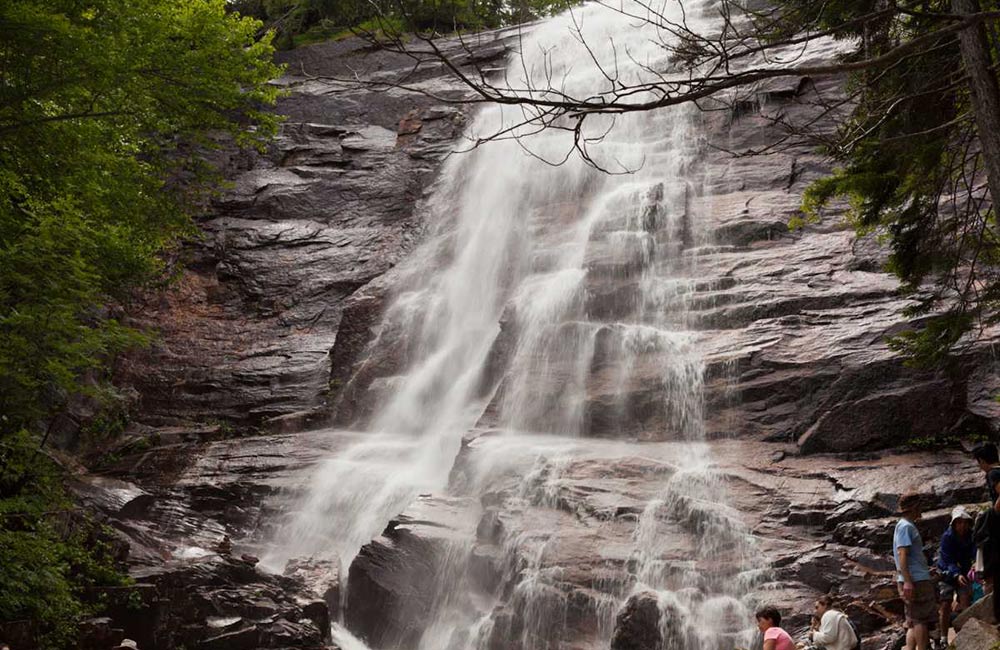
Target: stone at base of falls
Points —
{"points": [[218, 603], [389, 589], [981, 610], [637, 626], [320, 577], [393, 581], [977, 635], [95, 634]]}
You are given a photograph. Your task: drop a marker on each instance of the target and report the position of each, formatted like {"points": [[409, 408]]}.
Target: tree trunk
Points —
{"points": [[985, 91]]}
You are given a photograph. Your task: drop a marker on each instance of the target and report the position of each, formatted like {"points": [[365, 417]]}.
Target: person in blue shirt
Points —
{"points": [[955, 559], [913, 576]]}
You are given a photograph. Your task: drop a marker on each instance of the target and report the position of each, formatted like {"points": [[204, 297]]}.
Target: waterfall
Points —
{"points": [[550, 303]]}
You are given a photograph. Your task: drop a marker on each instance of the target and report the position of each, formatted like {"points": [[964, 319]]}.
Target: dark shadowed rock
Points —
{"points": [[246, 638], [389, 584], [219, 604], [97, 634], [637, 626], [820, 570], [866, 617], [283, 633], [395, 576], [884, 419]]}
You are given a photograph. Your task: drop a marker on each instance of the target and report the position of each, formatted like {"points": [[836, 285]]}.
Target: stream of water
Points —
{"points": [[549, 304]]}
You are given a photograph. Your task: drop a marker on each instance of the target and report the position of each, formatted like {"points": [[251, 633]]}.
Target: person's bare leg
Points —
{"points": [[921, 636], [911, 638], [944, 619], [964, 599]]}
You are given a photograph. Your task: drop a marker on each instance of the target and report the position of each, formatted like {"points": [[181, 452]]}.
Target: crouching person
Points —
{"points": [[955, 559], [835, 631], [913, 576]]}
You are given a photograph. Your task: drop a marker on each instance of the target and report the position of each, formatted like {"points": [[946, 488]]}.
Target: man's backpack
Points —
{"points": [[857, 633]]}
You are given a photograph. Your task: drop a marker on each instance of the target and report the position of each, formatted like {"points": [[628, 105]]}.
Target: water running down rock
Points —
{"points": [[501, 330], [493, 494]]}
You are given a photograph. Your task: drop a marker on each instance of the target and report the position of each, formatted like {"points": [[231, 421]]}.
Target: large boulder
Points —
{"points": [[977, 635], [637, 626], [395, 576], [981, 610], [388, 588]]}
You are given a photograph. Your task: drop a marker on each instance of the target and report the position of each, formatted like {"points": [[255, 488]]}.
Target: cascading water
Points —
{"points": [[556, 306]]}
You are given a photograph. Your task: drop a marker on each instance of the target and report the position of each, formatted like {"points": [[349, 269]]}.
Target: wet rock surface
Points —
{"points": [[793, 324], [542, 531], [637, 626], [277, 324], [190, 538], [394, 581], [564, 523], [220, 602], [245, 335]]}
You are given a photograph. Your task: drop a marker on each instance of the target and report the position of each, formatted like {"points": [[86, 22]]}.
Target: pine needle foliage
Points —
{"points": [[911, 166]]}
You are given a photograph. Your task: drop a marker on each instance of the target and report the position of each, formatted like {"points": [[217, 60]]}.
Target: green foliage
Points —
{"points": [[944, 441], [930, 443], [301, 22], [52, 557], [930, 345], [104, 106], [106, 110], [911, 171]]}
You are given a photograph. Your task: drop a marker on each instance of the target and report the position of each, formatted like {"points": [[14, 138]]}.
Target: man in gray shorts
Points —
{"points": [[913, 577]]}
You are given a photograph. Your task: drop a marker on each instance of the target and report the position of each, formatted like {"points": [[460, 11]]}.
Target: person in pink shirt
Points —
{"points": [[769, 622]]}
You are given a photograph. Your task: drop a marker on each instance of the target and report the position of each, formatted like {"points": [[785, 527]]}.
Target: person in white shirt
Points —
{"points": [[834, 631]]}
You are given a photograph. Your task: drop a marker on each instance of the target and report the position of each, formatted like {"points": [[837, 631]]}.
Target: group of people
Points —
{"points": [[968, 558], [831, 629]]}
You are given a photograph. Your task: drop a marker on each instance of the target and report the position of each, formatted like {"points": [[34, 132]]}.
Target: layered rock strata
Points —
{"points": [[792, 326], [244, 336], [558, 515], [566, 522], [185, 535]]}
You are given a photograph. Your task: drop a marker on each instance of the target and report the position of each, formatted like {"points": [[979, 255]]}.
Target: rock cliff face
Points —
{"points": [[275, 325], [794, 324], [549, 543], [566, 545], [274, 316], [245, 335]]}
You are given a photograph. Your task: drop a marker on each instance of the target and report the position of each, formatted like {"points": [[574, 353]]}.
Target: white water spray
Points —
{"points": [[560, 309]]}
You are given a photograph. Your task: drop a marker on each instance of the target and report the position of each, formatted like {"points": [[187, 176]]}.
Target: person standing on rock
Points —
{"points": [[955, 559], [913, 576], [769, 623], [987, 528], [834, 631]]}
